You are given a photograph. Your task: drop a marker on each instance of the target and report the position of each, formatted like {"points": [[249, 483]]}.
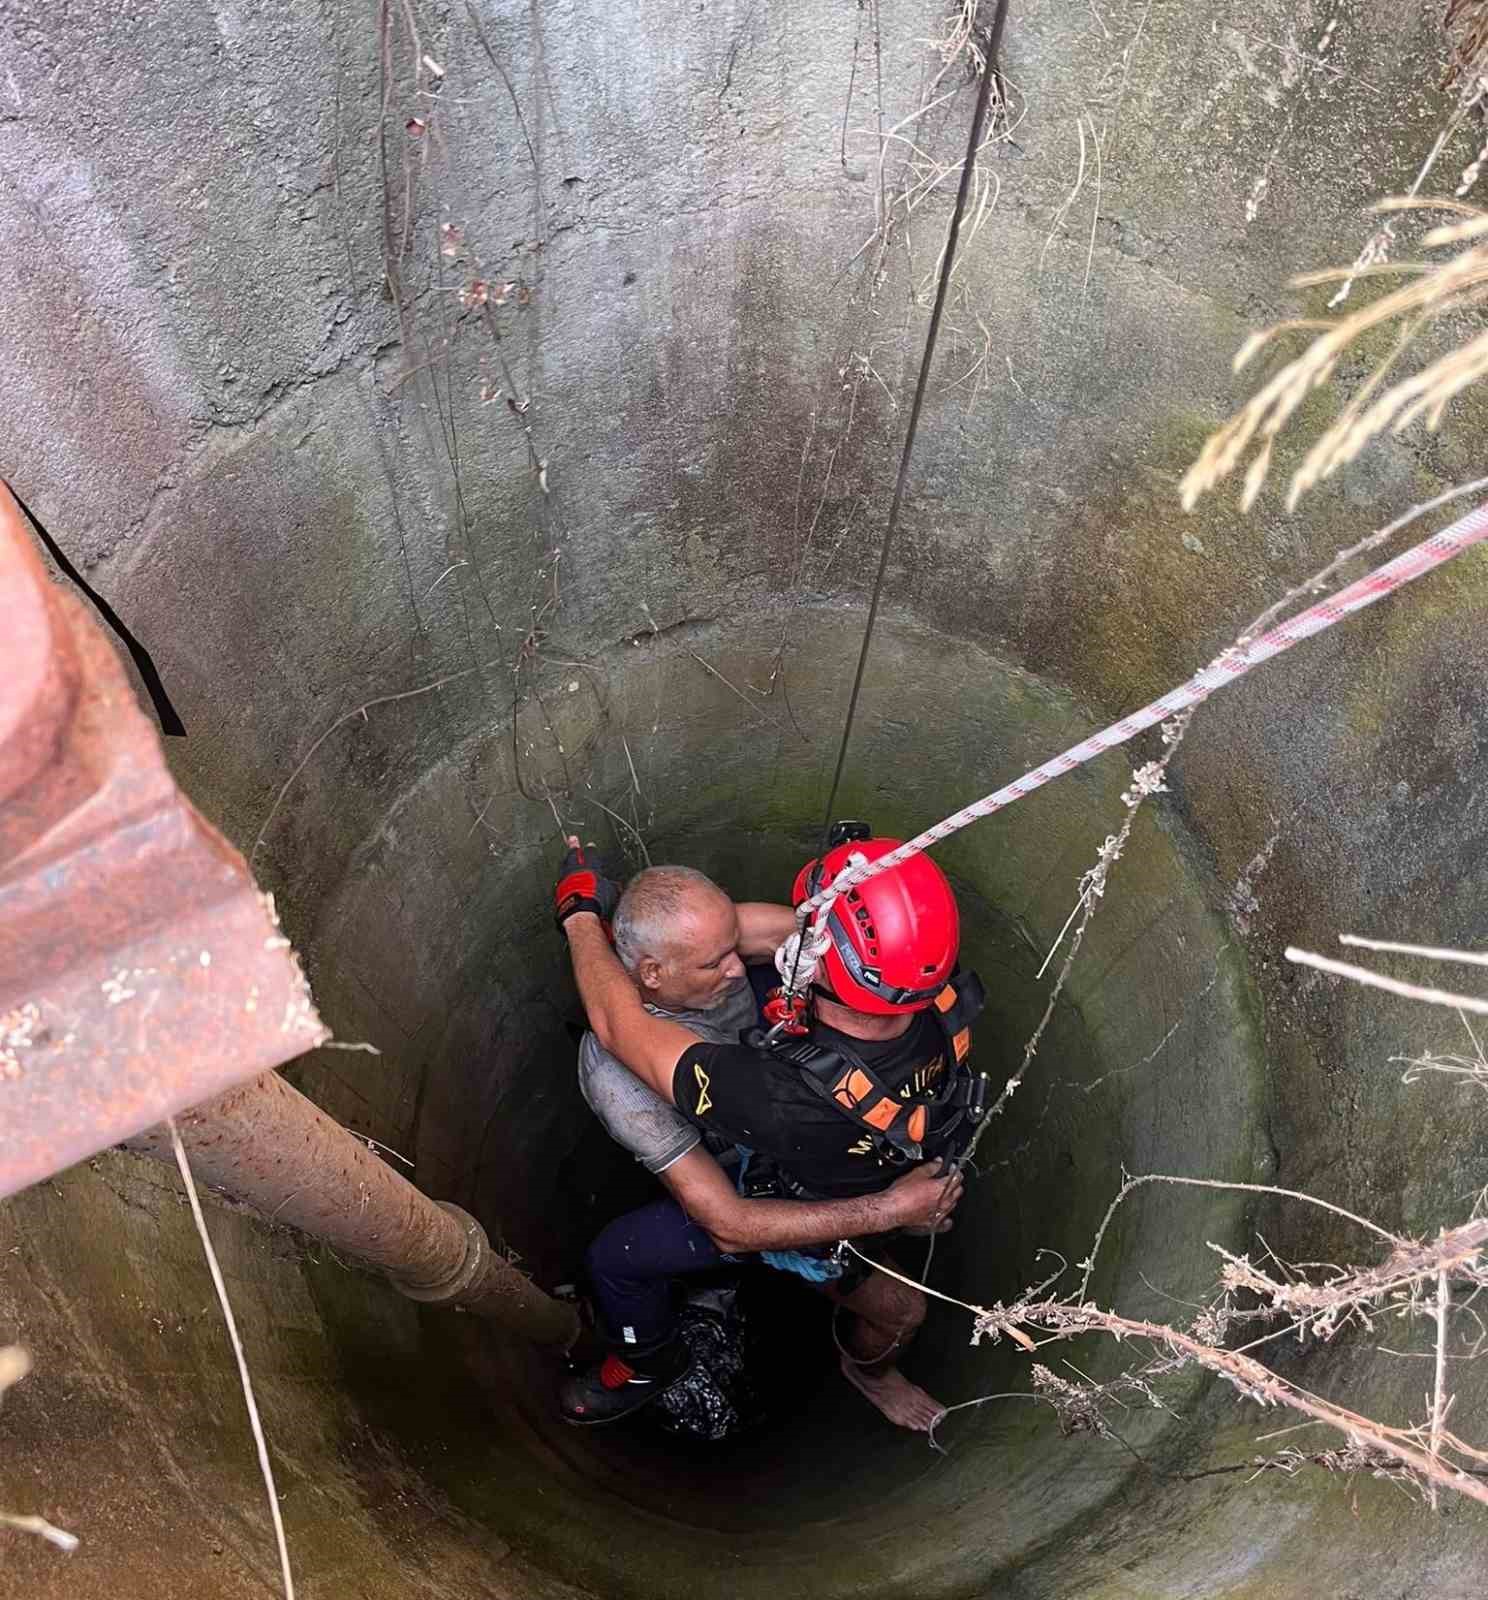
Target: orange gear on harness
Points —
{"points": [[897, 1125]]}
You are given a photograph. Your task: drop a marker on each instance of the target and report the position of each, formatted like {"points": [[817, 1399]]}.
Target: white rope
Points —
{"points": [[1226, 667], [797, 965], [798, 958], [232, 1332]]}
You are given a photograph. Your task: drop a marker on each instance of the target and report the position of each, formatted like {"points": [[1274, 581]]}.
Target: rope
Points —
{"points": [[1230, 664], [984, 95], [265, 1467], [796, 960]]}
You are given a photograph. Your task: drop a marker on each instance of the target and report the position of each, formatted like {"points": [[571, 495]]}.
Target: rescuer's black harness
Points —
{"points": [[896, 1124]]}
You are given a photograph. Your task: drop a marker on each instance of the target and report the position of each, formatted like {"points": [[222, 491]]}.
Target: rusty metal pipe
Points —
{"points": [[267, 1145], [141, 970]]}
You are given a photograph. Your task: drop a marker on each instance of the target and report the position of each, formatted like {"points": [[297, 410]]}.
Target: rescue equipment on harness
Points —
{"points": [[784, 1009], [785, 1012], [895, 1124]]}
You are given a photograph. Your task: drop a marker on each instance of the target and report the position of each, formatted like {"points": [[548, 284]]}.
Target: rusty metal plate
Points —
{"points": [[141, 970]]}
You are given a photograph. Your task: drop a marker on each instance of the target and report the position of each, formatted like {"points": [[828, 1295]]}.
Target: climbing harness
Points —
{"points": [[1232, 663], [894, 1124]]}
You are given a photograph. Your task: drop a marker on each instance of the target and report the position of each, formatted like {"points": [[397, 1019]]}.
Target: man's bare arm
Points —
{"points": [[763, 928], [739, 1226], [650, 1046]]}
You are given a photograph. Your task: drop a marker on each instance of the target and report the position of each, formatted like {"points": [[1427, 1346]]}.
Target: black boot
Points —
{"points": [[615, 1387]]}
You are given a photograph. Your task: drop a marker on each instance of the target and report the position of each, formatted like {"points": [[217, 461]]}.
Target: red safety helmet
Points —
{"points": [[894, 938]]}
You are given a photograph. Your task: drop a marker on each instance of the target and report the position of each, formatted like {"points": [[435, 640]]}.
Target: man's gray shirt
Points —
{"points": [[655, 1132]]}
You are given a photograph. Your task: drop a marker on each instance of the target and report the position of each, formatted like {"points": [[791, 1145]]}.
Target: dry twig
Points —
{"points": [[1427, 1457], [1377, 980], [39, 1525], [1471, 958], [340, 722]]}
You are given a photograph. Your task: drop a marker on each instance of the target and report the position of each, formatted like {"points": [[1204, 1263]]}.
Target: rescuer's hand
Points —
{"points": [[923, 1198], [583, 886]]}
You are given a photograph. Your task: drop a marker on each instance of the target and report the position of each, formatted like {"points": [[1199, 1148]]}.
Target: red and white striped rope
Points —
{"points": [[1230, 664]]}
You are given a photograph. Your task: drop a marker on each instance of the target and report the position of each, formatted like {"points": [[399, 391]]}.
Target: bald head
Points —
{"points": [[677, 934]]}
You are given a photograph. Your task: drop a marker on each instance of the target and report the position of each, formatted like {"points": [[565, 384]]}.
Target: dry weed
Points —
{"points": [[1466, 25], [1434, 289], [1303, 1301], [1469, 1069], [959, 36]]}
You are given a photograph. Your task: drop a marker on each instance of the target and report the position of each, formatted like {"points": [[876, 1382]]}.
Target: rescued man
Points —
{"points": [[835, 1178]]}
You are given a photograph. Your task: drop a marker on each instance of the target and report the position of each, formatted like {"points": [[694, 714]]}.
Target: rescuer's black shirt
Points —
{"points": [[758, 1100]]}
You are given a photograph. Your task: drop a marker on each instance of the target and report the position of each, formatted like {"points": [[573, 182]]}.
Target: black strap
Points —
{"points": [[971, 1001], [821, 1066], [170, 721]]}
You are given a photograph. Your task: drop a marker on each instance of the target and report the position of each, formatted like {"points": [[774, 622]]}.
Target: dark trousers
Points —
{"points": [[631, 1266]]}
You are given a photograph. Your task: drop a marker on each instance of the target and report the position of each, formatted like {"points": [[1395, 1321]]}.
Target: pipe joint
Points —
{"points": [[456, 1285]]}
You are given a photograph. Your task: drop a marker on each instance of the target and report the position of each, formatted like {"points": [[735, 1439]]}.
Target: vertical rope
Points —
{"points": [[979, 117], [948, 260], [264, 1465]]}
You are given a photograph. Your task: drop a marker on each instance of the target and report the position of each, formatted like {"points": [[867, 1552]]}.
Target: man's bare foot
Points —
{"points": [[901, 1401]]}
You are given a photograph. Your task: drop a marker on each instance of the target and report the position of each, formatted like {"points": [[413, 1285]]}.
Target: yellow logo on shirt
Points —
{"points": [[704, 1104]]}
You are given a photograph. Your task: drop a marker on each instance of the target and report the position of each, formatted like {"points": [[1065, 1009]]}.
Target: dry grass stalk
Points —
{"points": [[1396, 986], [925, 174], [1472, 1069], [1466, 26], [1434, 288], [960, 35], [1070, 198]]}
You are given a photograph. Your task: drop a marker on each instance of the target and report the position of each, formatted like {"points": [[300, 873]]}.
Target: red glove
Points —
{"points": [[583, 886]]}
